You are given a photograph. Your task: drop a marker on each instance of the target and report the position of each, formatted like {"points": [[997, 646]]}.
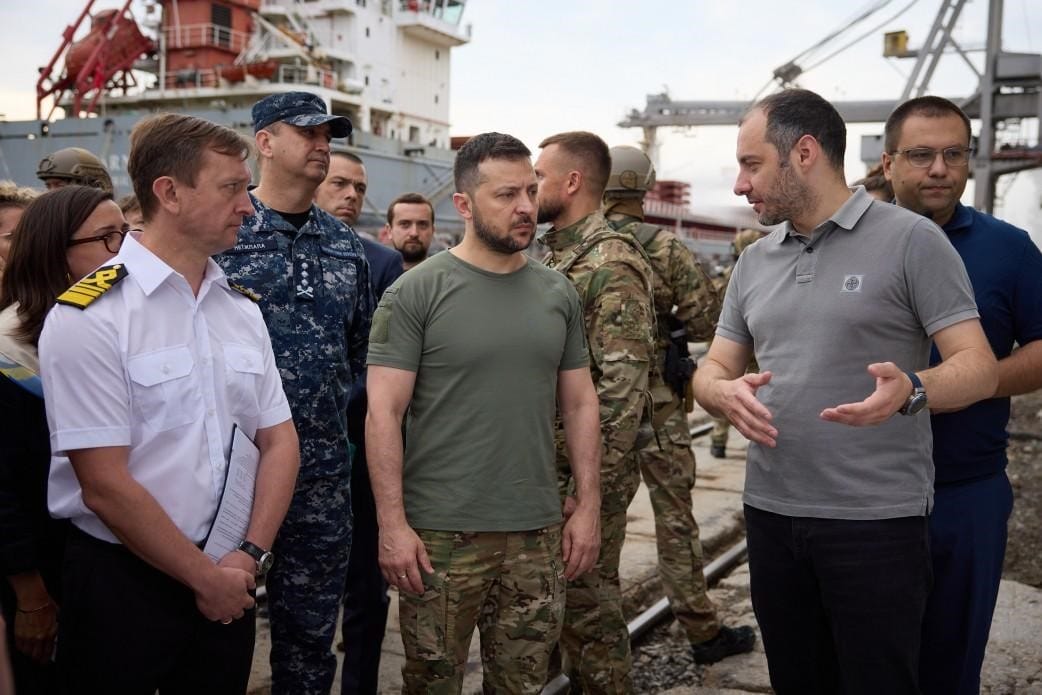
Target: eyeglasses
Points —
{"points": [[923, 157], [113, 240]]}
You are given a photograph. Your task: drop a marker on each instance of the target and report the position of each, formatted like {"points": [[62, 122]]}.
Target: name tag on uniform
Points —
{"points": [[268, 244]]}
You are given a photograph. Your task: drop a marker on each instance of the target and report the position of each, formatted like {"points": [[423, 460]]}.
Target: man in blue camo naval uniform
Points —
{"points": [[312, 278]]}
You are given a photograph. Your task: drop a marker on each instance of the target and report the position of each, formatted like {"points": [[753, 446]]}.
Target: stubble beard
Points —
{"points": [[789, 199], [505, 244], [549, 210]]}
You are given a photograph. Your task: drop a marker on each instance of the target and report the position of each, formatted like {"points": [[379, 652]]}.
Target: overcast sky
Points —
{"points": [[536, 67]]}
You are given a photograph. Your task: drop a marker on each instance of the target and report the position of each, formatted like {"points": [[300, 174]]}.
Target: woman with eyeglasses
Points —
{"points": [[62, 236]]}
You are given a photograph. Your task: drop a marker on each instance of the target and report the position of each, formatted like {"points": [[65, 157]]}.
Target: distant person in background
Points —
{"points": [[927, 159], [13, 200], [877, 184], [342, 194], [132, 211], [66, 233], [409, 228], [73, 166]]}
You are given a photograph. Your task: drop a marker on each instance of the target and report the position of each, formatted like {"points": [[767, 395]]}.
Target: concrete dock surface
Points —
{"points": [[1013, 663]]}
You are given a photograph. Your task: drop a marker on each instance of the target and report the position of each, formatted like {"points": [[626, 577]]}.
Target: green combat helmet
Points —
{"points": [[73, 166], [631, 171], [744, 239]]}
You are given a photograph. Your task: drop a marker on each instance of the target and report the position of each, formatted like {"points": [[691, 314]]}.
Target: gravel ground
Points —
{"points": [[1023, 559]]}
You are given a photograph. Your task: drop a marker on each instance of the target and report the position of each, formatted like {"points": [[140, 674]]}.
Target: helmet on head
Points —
{"points": [[631, 171], [77, 166], [744, 239]]}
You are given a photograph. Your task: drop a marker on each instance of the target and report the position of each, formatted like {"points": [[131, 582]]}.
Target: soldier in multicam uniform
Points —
{"points": [[312, 278], [686, 307], [721, 427], [611, 273], [73, 166]]}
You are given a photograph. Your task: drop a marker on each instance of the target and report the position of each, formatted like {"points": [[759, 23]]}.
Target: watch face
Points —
{"points": [[915, 404], [265, 562]]}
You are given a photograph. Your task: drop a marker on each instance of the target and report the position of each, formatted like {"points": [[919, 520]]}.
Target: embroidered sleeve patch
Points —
{"points": [[93, 286]]}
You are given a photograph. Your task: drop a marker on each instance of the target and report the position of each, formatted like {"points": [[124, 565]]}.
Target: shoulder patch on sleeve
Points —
{"points": [[244, 291], [93, 286]]}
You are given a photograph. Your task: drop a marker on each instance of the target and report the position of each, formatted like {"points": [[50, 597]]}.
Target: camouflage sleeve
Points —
{"points": [[620, 330], [358, 339], [696, 298]]}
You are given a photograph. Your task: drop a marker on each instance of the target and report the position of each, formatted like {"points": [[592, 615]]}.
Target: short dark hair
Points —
{"points": [[591, 152], [170, 144], [931, 107], [347, 155], [793, 113], [409, 198], [37, 269], [479, 148], [128, 204]]}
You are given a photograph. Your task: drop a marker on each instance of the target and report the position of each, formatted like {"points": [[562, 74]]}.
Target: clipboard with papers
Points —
{"points": [[233, 513]]}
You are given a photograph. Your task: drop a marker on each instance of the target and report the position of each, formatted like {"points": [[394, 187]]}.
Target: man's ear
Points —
{"points": [[263, 142], [165, 189], [463, 203]]}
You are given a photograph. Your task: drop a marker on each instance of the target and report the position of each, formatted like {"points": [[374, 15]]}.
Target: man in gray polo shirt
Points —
{"points": [[840, 306]]}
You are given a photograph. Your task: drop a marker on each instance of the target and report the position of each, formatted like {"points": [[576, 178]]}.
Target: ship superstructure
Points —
{"points": [[385, 64]]}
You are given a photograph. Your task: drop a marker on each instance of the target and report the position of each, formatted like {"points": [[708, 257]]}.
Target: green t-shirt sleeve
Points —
{"points": [[576, 351], [396, 336]]}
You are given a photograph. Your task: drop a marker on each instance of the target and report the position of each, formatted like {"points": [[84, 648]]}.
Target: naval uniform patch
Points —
{"points": [[93, 286], [245, 291]]}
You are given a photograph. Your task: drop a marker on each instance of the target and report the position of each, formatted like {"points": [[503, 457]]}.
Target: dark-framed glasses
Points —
{"points": [[113, 240], [923, 157]]}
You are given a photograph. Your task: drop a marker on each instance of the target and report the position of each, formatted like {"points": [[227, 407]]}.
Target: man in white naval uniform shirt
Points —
{"points": [[149, 363]]}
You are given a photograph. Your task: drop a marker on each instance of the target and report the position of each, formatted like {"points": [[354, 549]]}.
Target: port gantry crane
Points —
{"points": [[1009, 89]]}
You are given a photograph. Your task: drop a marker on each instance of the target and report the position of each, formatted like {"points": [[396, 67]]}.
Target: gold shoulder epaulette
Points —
{"points": [[245, 291], [93, 286]]}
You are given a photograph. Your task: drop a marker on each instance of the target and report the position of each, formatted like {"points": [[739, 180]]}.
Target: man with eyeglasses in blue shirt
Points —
{"points": [[927, 160]]}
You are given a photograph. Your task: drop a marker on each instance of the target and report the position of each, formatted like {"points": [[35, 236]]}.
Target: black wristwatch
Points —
{"points": [[263, 557], [917, 400]]}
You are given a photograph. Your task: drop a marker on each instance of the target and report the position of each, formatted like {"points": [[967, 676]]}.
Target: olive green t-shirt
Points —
{"points": [[486, 348]]}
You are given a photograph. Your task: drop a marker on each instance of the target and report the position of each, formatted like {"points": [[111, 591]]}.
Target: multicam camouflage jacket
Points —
{"points": [[678, 278], [613, 278], [314, 292]]}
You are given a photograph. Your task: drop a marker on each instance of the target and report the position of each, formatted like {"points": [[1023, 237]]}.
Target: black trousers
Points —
{"points": [[128, 629], [365, 594], [840, 603]]}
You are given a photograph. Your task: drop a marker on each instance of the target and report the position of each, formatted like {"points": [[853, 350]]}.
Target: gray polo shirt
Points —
{"points": [[871, 284]]}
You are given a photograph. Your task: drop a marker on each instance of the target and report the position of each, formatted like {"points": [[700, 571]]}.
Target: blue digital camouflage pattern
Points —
{"points": [[316, 300], [301, 109]]}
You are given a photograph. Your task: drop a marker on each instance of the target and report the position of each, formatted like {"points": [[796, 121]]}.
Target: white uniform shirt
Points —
{"points": [[150, 366]]}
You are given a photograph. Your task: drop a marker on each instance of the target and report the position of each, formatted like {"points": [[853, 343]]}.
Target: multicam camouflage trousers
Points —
{"points": [[595, 642], [668, 466], [510, 585]]}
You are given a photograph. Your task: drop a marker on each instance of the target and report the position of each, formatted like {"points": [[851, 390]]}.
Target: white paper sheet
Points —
{"points": [[233, 515]]}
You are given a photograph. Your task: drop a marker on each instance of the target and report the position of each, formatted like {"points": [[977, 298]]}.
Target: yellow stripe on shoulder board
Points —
{"points": [[93, 286], [245, 291]]}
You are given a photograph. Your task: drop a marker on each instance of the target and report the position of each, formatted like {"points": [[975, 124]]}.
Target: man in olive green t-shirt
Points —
{"points": [[476, 348]]}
